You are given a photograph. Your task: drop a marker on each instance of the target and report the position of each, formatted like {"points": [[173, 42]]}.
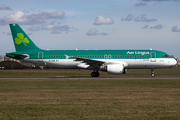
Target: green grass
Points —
{"points": [[94, 99], [89, 99], [168, 72]]}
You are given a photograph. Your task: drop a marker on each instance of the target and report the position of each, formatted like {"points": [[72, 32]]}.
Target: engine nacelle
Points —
{"points": [[116, 69]]}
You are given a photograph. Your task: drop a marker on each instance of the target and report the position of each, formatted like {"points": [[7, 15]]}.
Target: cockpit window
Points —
{"points": [[165, 55]]}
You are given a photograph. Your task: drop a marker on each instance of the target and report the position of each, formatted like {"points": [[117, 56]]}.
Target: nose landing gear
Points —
{"points": [[152, 73]]}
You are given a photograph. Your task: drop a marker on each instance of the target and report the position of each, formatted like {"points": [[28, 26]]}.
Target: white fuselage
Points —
{"points": [[129, 63]]}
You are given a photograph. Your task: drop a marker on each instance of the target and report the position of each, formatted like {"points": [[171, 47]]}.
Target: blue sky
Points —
{"points": [[95, 24]]}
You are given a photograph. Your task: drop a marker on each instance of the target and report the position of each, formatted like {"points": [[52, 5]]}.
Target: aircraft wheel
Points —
{"points": [[153, 75], [94, 74], [97, 74]]}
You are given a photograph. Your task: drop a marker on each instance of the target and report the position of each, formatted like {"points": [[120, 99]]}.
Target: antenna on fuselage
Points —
{"points": [[76, 49], [150, 48]]}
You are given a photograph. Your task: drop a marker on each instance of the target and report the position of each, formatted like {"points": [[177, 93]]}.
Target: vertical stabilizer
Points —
{"points": [[21, 40]]}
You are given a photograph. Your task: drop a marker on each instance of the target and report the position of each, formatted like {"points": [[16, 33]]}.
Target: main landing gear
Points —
{"points": [[152, 73], [95, 74]]}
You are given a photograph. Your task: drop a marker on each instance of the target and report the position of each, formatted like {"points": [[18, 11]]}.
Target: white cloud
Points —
{"points": [[128, 18], [47, 27], [4, 7], [33, 19], [94, 32], [160, 26], [57, 29], [141, 18], [100, 20], [17, 17], [176, 28]]}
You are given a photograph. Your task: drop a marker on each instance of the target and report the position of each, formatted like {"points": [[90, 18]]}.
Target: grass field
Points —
{"points": [[89, 99]]}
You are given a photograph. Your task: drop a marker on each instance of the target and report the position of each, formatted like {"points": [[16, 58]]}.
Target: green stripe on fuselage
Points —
{"points": [[96, 54]]}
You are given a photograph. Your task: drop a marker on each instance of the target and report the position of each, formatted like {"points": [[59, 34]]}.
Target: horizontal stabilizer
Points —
{"points": [[16, 56]]}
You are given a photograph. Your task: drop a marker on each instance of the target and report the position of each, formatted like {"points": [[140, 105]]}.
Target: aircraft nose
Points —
{"points": [[174, 62]]}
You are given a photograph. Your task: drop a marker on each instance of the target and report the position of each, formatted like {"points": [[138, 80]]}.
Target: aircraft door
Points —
{"points": [[105, 56], [153, 56], [40, 56]]}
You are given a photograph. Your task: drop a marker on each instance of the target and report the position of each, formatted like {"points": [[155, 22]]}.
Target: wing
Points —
{"points": [[89, 61], [96, 63]]}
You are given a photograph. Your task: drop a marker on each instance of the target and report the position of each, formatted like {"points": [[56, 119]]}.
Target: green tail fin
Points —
{"points": [[21, 40]]}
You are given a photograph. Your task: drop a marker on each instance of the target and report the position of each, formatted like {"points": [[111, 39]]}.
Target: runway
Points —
{"points": [[82, 78]]}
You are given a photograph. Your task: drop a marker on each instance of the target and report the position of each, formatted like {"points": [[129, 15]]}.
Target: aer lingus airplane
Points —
{"points": [[111, 61]]}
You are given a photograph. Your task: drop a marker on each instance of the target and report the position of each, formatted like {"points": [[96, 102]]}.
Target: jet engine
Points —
{"points": [[116, 69]]}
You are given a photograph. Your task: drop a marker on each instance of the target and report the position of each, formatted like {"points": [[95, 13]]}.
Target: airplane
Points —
{"points": [[111, 61]]}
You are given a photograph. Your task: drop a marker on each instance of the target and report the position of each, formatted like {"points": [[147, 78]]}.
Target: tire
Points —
{"points": [[97, 74], [153, 75], [94, 74]]}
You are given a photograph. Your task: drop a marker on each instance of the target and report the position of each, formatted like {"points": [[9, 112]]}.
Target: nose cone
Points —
{"points": [[174, 62]]}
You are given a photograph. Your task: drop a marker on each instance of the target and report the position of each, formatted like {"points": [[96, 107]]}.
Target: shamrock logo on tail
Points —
{"points": [[20, 39]]}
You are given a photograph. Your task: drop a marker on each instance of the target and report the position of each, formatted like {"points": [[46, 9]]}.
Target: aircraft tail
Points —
{"points": [[21, 40]]}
